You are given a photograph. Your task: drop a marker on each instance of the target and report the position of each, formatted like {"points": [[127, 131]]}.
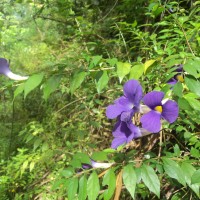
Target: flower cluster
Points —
{"points": [[153, 110]]}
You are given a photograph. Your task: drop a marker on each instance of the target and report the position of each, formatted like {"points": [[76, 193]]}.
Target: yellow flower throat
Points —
{"points": [[180, 78], [158, 108]]}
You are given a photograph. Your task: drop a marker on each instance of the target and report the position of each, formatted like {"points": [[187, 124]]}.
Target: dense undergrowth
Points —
{"points": [[79, 54]]}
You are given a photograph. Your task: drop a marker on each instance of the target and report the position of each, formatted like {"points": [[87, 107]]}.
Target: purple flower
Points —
{"points": [[4, 69], [96, 165], [179, 76], [126, 104], [124, 132], [124, 109], [168, 111]]}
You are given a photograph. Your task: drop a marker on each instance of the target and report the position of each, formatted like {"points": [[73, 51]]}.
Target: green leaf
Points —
{"points": [[173, 170], [129, 179], [190, 68], [37, 143], [112, 61], [32, 83], [183, 104], [82, 194], [19, 90], [195, 104], [84, 158], [183, 19], [196, 64], [45, 146], [109, 179], [147, 64], [193, 85], [25, 164], [58, 183], [109, 150], [93, 186], [72, 188], [76, 81], [31, 166], [122, 70], [178, 89], [176, 196], [75, 163], [136, 71], [67, 172], [50, 86], [195, 152], [196, 177], [177, 150], [99, 156], [172, 60], [102, 82], [190, 95], [150, 179], [96, 59], [188, 171]]}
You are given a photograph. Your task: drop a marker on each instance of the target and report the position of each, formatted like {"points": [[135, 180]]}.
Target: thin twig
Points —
{"points": [[108, 12], [70, 104], [123, 42], [79, 28], [180, 25], [187, 40], [107, 68], [160, 147]]}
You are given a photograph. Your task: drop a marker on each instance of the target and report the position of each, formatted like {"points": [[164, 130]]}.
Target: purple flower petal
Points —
{"points": [[172, 81], [134, 129], [122, 104], [113, 111], [4, 69], [123, 133], [133, 91], [4, 66], [151, 121], [126, 116], [121, 129], [117, 142], [123, 101], [179, 68], [153, 99], [116, 130], [86, 166], [170, 111]]}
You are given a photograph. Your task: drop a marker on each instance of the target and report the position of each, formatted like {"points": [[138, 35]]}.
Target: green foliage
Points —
{"points": [[76, 81], [82, 188], [129, 179], [32, 83], [173, 170], [109, 180], [93, 186], [50, 86], [122, 70], [150, 179]]}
